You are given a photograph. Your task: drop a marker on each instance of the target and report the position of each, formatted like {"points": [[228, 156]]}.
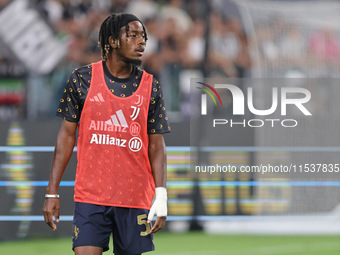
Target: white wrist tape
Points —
{"points": [[52, 196], [159, 207], [161, 193]]}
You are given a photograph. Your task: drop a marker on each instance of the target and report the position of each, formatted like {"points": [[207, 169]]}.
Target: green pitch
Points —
{"points": [[198, 244]]}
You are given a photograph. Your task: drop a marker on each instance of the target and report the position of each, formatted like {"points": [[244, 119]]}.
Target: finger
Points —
{"points": [[48, 215], [45, 212], [53, 226], [151, 214], [45, 215], [154, 229], [56, 215], [50, 220], [160, 221]]}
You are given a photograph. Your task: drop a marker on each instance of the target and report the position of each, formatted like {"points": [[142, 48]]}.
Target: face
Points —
{"points": [[132, 43]]}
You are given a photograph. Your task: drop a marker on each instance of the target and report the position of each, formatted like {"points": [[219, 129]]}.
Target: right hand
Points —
{"points": [[51, 206]]}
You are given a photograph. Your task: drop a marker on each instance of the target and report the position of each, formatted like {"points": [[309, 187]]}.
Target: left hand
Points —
{"points": [[159, 208], [159, 224]]}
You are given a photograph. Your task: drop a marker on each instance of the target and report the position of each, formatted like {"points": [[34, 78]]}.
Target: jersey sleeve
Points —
{"points": [[69, 105], [157, 118]]}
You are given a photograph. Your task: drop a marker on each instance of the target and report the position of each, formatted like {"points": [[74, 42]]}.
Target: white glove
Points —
{"points": [[159, 206]]}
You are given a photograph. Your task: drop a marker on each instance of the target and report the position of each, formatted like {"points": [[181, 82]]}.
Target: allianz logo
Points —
{"points": [[116, 123]]}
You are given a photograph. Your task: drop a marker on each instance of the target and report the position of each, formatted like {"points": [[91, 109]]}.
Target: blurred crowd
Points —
{"points": [[176, 32], [179, 32], [186, 39], [288, 49]]}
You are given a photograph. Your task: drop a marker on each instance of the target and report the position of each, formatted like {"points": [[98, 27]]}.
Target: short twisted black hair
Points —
{"points": [[111, 27]]}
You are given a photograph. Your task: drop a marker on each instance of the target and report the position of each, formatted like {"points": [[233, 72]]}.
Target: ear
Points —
{"points": [[114, 43]]}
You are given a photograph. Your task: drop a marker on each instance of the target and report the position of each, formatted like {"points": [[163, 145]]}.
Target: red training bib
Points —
{"points": [[113, 164]]}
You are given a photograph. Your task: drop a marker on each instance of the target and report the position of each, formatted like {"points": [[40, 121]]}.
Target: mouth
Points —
{"points": [[140, 51]]}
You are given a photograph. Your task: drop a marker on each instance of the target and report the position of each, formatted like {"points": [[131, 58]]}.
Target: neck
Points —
{"points": [[118, 68]]}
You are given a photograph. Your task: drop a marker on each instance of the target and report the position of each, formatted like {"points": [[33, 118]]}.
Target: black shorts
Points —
{"points": [[93, 225]]}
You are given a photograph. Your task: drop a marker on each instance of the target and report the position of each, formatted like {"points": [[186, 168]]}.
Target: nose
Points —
{"points": [[142, 40]]}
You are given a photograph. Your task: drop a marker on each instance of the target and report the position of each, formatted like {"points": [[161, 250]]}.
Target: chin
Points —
{"points": [[136, 62]]}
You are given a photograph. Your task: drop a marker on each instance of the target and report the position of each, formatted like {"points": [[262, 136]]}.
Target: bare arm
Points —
{"points": [[157, 155], [62, 153]]}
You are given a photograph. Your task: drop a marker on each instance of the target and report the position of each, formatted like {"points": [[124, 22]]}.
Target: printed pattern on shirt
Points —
{"points": [[75, 93]]}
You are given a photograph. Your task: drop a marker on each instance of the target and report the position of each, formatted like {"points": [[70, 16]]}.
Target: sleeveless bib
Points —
{"points": [[113, 164]]}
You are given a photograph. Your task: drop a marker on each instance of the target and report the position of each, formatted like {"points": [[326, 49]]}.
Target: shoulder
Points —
{"points": [[81, 76], [83, 70], [156, 86], [155, 82]]}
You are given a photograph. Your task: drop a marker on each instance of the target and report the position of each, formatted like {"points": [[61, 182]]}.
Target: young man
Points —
{"points": [[120, 114]]}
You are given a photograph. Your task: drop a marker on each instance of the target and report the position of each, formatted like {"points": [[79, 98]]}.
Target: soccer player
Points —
{"points": [[120, 115]]}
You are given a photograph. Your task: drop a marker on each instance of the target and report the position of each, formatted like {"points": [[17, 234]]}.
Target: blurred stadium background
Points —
{"points": [[43, 41]]}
